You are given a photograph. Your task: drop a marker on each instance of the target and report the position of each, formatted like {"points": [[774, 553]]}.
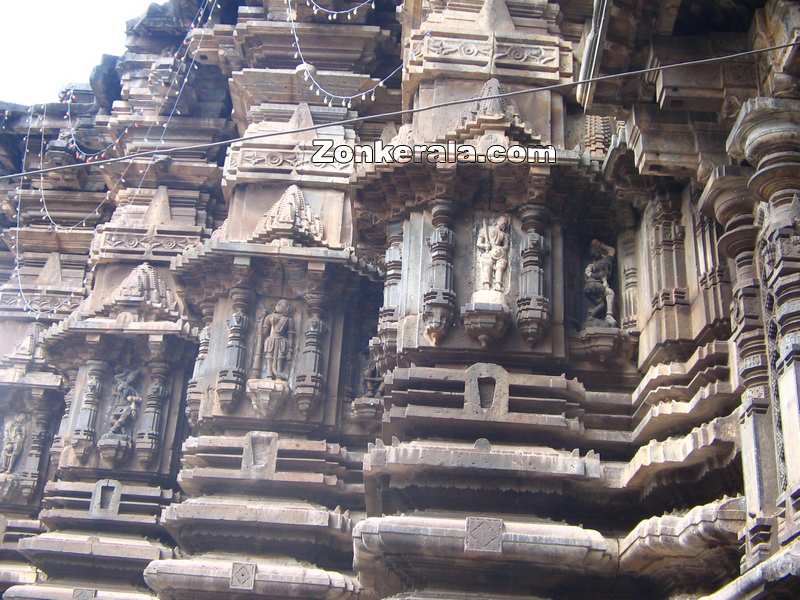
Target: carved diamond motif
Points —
{"points": [[243, 576], [483, 535]]}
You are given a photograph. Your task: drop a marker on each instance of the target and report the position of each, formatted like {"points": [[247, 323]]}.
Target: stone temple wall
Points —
{"points": [[228, 370]]}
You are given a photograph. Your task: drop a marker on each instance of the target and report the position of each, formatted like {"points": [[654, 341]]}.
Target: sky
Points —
{"points": [[47, 44]]}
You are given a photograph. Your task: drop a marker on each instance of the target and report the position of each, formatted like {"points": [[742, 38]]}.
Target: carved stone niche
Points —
{"points": [[24, 426], [368, 406], [123, 413], [599, 337], [273, 357], [487, 316]]}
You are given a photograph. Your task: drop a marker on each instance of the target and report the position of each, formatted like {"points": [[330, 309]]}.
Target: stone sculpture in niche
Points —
{"points": [[116, 443], [487, 317], [278, 331], [493, 246], [368, 407], [14, 435], [268, 385], [597, 290]]}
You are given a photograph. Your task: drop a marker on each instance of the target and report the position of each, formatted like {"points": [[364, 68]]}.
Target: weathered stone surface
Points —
{"points": [[229, 370]]}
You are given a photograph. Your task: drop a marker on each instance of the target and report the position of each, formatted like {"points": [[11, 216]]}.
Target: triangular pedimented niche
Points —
{"points": [[288, 222], [146, 295]]}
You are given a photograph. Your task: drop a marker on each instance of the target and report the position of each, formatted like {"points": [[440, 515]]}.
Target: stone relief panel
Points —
{"points": [[120, 411], [599, 295], [27, 419]]}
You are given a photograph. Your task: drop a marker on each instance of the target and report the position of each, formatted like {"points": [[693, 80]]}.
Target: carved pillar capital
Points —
{"points": [[726, 196], [767, 134]]}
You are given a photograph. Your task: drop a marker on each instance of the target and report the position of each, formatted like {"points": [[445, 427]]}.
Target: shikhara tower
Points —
{"points": [[232, 372]]}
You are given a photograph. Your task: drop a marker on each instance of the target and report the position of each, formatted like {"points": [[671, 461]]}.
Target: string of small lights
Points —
{"points": [[84, 156], [309, 71], [192, 67], [333, 14], [394, 114], [88, 157], [26, 305]]}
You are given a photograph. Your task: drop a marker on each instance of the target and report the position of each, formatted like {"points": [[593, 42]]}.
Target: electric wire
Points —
{"points": [[413, 110]]}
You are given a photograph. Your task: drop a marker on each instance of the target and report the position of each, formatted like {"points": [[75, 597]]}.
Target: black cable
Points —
{"points": [[407, 111]]}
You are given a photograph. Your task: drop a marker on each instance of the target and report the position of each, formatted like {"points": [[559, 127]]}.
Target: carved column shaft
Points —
{"points": [[629, 302], [767, 134], [388, 315], [533, 305], [149, 435], [309, 380], [63, 429], [204, 338], [85, 431], [194, 393], [667, 236], [440, 298], [40, 426], [231, 379], [726, 197]]}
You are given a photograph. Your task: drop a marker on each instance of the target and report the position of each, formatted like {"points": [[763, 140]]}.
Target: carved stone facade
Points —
{"points": [[228, 370]]}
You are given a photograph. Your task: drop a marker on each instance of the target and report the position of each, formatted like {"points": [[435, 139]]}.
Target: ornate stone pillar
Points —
{"points": [[309, 381], [393, 264], [194, 393], [70, 377], [727, 198], [629, 272], [148, 438], [669, 319], [533, 305], [231, 379], [40, 422], [85, 431], [767, 135], [439, 300]]}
